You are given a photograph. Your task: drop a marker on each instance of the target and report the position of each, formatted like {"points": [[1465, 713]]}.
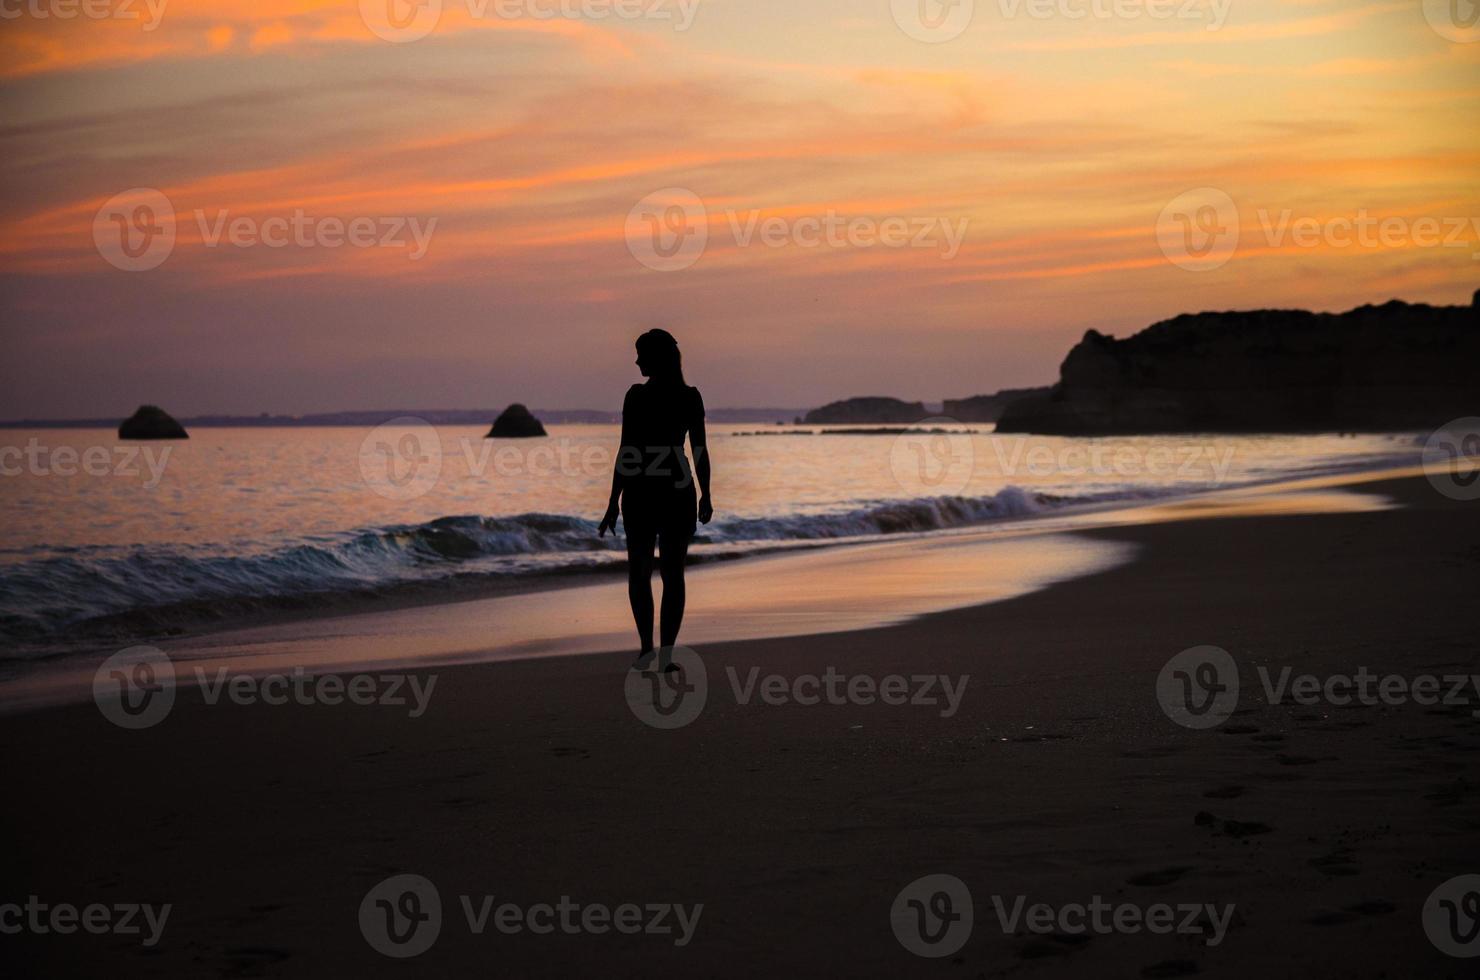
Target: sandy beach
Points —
{"points": [[1038, 767]]}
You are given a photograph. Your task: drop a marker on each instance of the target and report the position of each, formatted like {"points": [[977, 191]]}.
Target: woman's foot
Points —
{"points": [[644, 660]]}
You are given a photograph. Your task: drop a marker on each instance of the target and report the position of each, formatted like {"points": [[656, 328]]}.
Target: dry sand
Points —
{"points": [[1059, 779]]}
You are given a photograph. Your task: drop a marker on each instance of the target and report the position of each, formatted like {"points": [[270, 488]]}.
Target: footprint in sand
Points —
{"points": [[1448, 795], [1245, 828], [1350, 913], [1233, 828], [1053, 944], [1153, 752], [1341, 861], [251, 961], [1285, 759], [1230, 792], [1164, 876]]}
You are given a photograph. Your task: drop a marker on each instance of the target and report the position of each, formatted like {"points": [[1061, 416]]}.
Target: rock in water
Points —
{"points": [[151, 422], [516, 423]]}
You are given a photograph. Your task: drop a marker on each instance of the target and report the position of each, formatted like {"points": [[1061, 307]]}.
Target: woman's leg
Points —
{"points": [[673, 549], [640, 581]]}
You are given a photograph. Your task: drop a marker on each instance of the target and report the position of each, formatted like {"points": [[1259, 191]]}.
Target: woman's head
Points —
{"points": [[658, 357]]}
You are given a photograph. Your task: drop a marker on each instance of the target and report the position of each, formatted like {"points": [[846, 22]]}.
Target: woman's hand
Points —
{"points": [[608, 522], [706, 509]]}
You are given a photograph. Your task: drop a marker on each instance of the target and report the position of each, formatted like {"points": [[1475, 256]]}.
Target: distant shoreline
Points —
{"points": [[359, 419]]}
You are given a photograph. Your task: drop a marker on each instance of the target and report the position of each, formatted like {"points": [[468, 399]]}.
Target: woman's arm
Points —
{"points": [[609, 520], [700, 441]]}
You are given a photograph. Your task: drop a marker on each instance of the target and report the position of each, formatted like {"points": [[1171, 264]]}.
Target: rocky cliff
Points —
{"points": [[987, 408], [1394, 366]]}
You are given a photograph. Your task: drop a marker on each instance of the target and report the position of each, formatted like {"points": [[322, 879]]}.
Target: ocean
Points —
{"points": [[108, 542]]}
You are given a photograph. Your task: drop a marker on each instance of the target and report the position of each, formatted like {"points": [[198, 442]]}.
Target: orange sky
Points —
{"points": [[1039, 154]]}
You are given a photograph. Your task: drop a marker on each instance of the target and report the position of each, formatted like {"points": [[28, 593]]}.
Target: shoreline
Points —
{"points": [[340, 639]]}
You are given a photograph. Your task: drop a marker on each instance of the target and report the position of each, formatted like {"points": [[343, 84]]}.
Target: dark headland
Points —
{"points": [[1389, 367]]}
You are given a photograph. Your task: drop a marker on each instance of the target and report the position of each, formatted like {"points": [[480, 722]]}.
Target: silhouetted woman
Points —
{"points": [[652, 484]]}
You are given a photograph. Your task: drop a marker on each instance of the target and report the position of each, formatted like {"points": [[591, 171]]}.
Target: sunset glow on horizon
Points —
{"points": [[444, 219]]}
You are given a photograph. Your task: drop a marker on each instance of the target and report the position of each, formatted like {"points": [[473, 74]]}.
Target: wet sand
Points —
{"points": [[1058, 777]]}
